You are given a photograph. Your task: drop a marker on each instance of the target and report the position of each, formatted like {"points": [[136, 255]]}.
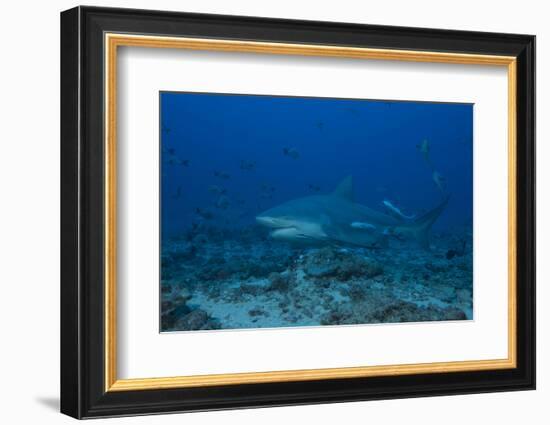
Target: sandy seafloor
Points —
{"points": [[222, 279]]}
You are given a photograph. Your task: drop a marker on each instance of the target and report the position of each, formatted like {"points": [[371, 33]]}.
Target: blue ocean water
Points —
{"points": [[227, 158]]}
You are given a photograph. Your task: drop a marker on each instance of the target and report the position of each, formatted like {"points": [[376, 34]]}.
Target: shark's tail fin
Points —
{"points": [[423, 224]]}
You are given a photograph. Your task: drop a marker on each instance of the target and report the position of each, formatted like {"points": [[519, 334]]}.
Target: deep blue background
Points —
{"points": [[375, 141]]}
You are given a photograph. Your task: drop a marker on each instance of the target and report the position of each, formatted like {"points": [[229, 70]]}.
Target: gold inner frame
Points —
{"points": [[113, 41]]}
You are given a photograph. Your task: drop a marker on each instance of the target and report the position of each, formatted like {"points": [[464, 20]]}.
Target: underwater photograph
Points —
{"points": [[280, 211]]}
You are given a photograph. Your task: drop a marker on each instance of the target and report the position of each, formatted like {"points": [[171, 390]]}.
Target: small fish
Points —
{"points": [[222, 175], [451, 253], [363, 225], [424, 149], [217, 190], [291, 152], [222, 202], [396, 210], [207, 215], [314, 187], [165, 129], [439, 181], [320, 125], [266, 187], [178, 193], [352, 111], [240, 201], [195, 225], [248, 165], [174, 160]]}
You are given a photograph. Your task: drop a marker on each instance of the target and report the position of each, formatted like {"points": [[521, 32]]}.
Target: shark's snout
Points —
{"points": [[264, 221], [269, 221]]}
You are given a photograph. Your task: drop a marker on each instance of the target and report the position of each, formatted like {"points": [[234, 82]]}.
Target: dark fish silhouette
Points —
{"points": [[352, 111], [267, 188], [178, 193], [222, 175], [248, 165], [314, 187], [174, 160], [320, 125], [223, 202], [217, 190], [201, 212], [291, 152], [177, 161], [165, 129], [457, 252]]}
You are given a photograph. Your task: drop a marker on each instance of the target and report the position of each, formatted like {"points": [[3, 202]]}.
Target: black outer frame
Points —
{"points": [[82, 219]]}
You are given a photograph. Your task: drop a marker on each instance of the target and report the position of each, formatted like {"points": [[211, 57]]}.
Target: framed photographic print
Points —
{"points": [[261, 212]]}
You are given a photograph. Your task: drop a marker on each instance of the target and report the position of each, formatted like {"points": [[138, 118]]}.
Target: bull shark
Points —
{"points": [[337, 219]]}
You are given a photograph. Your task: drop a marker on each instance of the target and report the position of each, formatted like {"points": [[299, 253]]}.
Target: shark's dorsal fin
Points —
{"points": [[345, 189]]}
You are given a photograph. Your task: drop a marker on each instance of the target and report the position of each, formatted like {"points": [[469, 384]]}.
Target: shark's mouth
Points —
{"points": [[289, 233], [275, 223], [292, 230]]}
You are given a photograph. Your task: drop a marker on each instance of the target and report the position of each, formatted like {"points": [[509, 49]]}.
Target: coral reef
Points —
{"points": [[340, 264], [218, 279]]}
